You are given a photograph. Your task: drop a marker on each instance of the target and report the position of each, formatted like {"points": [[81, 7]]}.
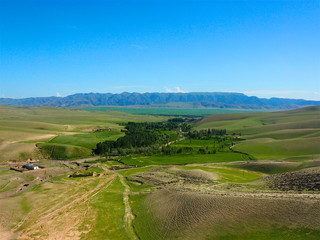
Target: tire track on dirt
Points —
{"points": [[44, 220], [128, 216], [44, 210]]}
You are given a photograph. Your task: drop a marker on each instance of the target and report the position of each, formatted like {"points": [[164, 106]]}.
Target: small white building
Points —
{"points": [[30, 167]]}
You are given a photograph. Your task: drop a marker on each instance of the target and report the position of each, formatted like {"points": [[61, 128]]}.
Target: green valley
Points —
{"points": [[114, 175]]}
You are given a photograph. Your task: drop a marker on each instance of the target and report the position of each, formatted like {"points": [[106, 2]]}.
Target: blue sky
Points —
{"points": [[58, 48]]}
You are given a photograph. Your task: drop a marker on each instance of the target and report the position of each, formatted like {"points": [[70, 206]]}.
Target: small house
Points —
{"points": [[30, 167]]}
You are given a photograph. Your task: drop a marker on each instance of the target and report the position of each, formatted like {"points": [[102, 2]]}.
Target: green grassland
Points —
{"points": [[185, 112], [60, 151], [194, 143], [278, 135], [178, 213], [87, 140], [184, 206], [181, 159], [198, 143], [280, 149], [258, 123], [22, 127], [109, 211], [150, 226], [180, 196]]}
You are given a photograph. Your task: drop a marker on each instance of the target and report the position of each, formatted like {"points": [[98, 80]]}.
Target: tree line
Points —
{"points": [[206, 134], [153, 137]]}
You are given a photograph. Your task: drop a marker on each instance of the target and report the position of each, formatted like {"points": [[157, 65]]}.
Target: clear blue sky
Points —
{"points": [[262, 48]]}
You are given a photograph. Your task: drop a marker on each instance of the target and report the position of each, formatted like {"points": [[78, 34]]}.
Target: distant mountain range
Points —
{"points": [[187, 100]]}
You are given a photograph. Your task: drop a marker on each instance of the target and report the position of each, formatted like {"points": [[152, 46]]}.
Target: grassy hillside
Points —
{"points": [[196, 202], [278, 135], [22, 127], [190, 195]]}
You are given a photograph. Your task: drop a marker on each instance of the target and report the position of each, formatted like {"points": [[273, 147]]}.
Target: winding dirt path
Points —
{"points": [[128, 217]]}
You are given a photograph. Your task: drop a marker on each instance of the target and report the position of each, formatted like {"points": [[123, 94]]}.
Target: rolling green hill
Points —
{"points": [[221, 195], [276, 135], [22, 127], [166, 111]]}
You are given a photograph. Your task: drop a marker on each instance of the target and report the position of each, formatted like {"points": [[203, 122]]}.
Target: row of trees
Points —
{"points": [[168, 150], [170, 125], [131, 140], [206, 134]]}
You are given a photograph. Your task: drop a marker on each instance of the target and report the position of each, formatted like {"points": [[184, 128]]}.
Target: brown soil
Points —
{"points": [[304, 180], [189, 215], [168, 176]]}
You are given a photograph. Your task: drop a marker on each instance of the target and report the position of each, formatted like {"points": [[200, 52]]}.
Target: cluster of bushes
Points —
{"points": [[206, 150], [206, 134], [126, 151], [170, 125], [168, 150]]}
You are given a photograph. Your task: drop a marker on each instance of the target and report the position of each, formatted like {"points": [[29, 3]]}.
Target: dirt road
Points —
{"points": [[128, 217]]}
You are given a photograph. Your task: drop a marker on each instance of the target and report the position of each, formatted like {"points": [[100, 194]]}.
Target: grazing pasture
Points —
{"points": [[176, 194], [22, 127], [290, 134], [230, 204], [169, 111], [87, 140], [205, 216], [266, 148]]}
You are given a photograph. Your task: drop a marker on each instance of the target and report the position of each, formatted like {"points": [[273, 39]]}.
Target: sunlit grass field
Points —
{"points": [[181, 159], [185, 112], [278, 135], [22, 127]]}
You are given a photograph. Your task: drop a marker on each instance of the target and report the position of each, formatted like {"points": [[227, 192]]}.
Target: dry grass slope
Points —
{"points": [[22, 127]]}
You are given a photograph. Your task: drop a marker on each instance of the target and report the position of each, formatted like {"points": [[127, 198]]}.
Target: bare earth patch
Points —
{"points": [[303, 180]]}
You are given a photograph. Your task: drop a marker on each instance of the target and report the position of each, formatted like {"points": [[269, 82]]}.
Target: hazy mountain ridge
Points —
{"points": [[198, 99]]}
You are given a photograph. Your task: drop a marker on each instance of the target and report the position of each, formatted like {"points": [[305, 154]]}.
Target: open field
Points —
{"points": [[197, 201], [279, 135], [203, 202], [184, 159], [259, 123], [222, 195], [168, 111], [54, 206], [209, 216], [88, 140], [21, 128]]}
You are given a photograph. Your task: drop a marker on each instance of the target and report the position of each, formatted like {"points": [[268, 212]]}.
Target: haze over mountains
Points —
{"points": [[187, 100]]}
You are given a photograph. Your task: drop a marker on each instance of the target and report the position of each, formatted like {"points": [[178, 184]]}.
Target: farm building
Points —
{"points": [[30, 167]]}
